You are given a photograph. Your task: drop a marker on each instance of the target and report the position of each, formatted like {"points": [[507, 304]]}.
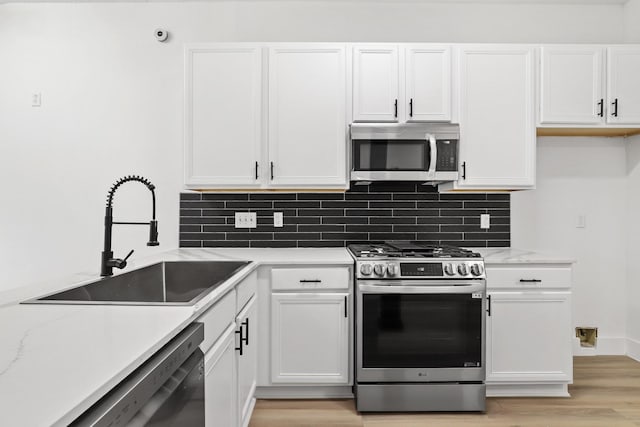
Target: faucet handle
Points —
{"points": [[128, 255]]}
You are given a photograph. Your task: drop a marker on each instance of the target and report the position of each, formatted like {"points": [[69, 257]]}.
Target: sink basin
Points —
{"points": [[165, 283]]}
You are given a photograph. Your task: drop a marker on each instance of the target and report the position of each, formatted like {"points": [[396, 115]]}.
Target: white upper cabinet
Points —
{"points": [[572, 83], [223, 115], [497, 126], [307, 116], [428, 83], [375, 83], [397, 83], [589, 86], [623, 85]]}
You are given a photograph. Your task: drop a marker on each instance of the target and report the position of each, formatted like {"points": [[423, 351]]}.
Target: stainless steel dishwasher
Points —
{"points": [[167, 390]]}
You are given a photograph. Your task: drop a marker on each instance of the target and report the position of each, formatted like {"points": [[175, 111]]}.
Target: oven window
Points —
{"points": [[390, 155], [421, 331]]}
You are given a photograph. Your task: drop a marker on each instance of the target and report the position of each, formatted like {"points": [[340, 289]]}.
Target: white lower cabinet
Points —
{"points": [[310, 338], [247, 358], [529, 336], [231, 355], [220, 381]]}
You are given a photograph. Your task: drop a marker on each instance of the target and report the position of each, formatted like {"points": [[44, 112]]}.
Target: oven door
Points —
{"points": [[432, 332]]}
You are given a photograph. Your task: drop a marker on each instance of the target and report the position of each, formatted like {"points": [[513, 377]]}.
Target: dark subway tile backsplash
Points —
{"points": [[380, 211]]}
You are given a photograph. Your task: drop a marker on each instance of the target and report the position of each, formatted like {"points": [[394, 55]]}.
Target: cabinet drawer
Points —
{"points": [[528, 277], [310, 278], [246, 289], [217, 318]]}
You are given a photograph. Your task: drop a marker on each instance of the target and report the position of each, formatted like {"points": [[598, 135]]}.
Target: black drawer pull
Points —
{"points": [[346, 307], [530, 280], [601, 105], [240, 340], [395, 109], [310, 281], [488, 305], [246, 332], [615, 108]]}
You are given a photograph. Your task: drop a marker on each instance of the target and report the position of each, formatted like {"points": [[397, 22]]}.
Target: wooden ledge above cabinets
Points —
{"points": [[610, 132]]}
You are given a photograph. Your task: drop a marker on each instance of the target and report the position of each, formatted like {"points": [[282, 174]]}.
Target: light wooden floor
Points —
{"points": [[605, 392]]}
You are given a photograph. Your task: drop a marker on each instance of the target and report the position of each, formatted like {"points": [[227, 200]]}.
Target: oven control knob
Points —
{"points": [[449, 270], [379, 269], [476, 269], [392, 269], [366, 269], [463, 269]]}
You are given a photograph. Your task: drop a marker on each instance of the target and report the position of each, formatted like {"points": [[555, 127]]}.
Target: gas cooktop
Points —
{"points": [[406, 249], [415, 260]]}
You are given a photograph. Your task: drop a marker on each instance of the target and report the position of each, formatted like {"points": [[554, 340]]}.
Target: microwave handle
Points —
{"points": [[434, 154]]}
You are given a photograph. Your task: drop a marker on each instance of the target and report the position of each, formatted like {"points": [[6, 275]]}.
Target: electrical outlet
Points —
{"points": [[485, 221], [246, 220], [278, 219]]}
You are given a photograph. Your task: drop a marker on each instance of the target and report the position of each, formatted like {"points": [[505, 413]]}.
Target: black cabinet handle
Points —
{"points": [[615, 108], [346, 309], [411, 107], [256, 170], [310, 281], [488, 305], [246, 332], [395, 106], [464, 170], [240, 340], [530, 280], [601, 105], [272, 171]]}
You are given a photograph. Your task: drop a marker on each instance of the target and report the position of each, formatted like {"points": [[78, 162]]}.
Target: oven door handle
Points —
{"points": [[466, 288], [433, 155]]}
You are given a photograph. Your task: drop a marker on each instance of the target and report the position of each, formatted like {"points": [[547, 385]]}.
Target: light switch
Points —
{"points": [[485, 221], [36, 99], [581, 221], [278, 219]]}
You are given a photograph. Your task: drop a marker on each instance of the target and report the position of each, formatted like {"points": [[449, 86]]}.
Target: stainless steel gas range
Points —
{"points": [[420, 328]]}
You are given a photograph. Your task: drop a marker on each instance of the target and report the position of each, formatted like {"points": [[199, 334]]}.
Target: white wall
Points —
{"points": [[582, 176], [633, 248], [631, 14], [112, 101]]}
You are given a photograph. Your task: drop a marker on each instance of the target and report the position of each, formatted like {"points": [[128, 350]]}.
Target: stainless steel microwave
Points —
{"points": [[404, 152]]}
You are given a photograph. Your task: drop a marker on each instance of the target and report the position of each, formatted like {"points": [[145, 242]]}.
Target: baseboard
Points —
{"points": [[528, 390], [247, 418], [304, 392], [605, 346], [633, 349]]}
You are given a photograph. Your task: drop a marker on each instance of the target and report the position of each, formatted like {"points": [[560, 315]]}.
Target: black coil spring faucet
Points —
{"points": [[108, 261]]}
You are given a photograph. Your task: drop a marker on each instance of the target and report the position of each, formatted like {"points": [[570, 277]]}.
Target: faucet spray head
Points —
{"points": [[153, 233]]}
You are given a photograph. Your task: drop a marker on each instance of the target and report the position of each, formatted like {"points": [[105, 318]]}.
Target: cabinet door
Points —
{"points": [[428, 83], [497, 128], [222, 116], [309, 338], [529, 337], [247, 321], [220, 381], [572, 85], [307, 120], [375, 83], [623, 90]]}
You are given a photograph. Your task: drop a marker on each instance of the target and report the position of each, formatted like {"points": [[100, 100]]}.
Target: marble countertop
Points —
{"points": [[57, 360], [520, 256]]}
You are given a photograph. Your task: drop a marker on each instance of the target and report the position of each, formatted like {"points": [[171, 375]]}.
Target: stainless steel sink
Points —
{"points": [[165, 283]]}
